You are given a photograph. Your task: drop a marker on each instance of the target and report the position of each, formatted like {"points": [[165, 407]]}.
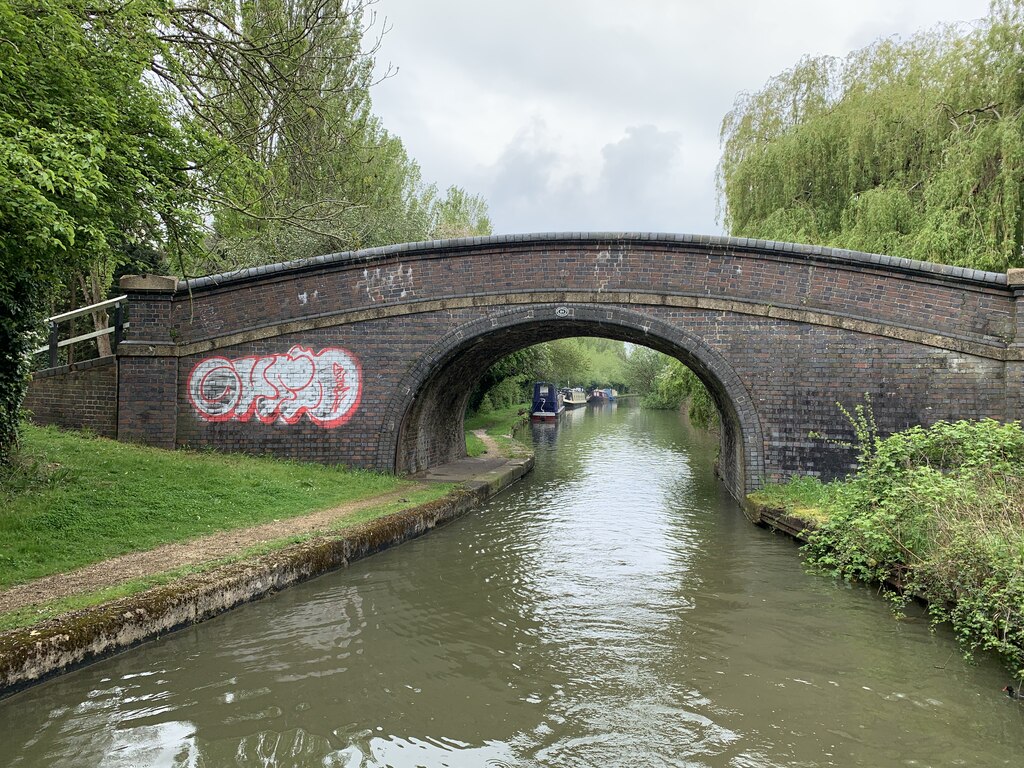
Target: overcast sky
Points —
{"points": [[574, 115]]}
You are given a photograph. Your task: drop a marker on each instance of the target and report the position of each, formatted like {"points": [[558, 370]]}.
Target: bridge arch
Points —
{"points": [[779, 332], [426, 410]]}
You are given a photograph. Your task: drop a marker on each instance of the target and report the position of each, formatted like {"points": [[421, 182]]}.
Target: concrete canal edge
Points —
{"points": [[69, 641]]}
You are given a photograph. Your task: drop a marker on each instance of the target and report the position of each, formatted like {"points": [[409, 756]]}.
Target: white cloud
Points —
{"points": [[593, 114], [643, 180]]}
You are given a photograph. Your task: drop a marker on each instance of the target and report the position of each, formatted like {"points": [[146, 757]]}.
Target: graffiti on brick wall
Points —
{"points": [[386, 284], [324, 386]]}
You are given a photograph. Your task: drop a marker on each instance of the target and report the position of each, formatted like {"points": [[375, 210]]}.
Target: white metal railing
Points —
{"points": [[117, 328]]}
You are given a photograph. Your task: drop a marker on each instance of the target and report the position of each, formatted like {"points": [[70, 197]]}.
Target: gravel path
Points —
{"points": [[489, 442]]}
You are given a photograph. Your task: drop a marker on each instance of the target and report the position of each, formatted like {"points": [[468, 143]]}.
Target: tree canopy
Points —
{"points": [[913, 148], [295, 163], [90, 160], [203, 135]]}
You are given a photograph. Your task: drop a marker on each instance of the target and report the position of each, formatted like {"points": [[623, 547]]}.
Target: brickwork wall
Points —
{"points": [[79, 396], [268, 361], [792, 374], [853, 289], [148, 409]]}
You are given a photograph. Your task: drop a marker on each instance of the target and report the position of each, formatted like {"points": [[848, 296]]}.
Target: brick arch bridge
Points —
{"points": [[368, 358]]}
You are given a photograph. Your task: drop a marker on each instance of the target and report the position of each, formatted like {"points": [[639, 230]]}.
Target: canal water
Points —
{"points": [[613, 609]]}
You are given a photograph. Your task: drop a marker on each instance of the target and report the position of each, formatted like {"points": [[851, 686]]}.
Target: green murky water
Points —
{"points": [[613, 609]]}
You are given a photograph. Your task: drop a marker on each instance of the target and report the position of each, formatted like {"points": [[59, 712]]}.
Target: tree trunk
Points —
{"points": [[94, 292]]}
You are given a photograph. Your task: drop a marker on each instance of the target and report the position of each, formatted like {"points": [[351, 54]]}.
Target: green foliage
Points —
{"points": [[937, 512], [665, 383], [90, 160], [499, 421], [509, 381], [913, 148], [676, 384], [565, 362], [507, 393], [300, 166], [90, 499], [501, 424], [606, 363], [458, 214], [643, 365], [126, 128], [866, 439]]}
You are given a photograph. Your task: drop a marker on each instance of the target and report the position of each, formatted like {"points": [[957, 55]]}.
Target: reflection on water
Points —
{"points": [[614, 608]]}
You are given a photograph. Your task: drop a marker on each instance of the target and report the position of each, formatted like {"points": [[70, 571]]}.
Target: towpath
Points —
{"points": [[228, 544], [169, 557]]}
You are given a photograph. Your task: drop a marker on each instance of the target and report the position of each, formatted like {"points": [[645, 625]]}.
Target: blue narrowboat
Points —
{"points": [[547, 402]]}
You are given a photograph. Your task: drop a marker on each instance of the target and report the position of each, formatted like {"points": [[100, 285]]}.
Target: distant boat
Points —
{"points": [[547, 402], [574, 397], [602, 396]]}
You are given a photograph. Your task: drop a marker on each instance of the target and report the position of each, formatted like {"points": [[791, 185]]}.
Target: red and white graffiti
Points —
{"points": [[325, 386]]}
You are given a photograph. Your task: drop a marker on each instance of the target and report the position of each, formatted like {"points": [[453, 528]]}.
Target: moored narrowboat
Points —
{"points": [[547, 402], [574, 397]]}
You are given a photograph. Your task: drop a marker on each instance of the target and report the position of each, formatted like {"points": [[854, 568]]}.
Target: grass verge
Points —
{"points": [[72, 499], [474, 445], [806, 498], [31, 615]]}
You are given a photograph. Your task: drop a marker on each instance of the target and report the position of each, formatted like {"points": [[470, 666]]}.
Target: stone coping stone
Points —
{"points": [[84, 365], [704, 242]]}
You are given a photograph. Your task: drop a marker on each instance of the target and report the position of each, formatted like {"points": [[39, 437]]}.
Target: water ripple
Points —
{"points": [[613, 609]]}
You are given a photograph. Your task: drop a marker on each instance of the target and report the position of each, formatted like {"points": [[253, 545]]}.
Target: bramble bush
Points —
{"points": [[936, 513]]}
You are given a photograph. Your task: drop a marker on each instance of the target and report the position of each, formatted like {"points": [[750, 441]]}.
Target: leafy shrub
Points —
{"points": [[936, 512], [675, 383], [510, 391]]}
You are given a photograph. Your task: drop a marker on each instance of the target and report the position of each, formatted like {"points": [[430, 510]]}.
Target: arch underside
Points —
{"points": [[428, 407]]}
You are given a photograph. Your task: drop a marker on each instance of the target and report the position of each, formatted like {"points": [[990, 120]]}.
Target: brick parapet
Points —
{"points": [[78, 396], [313, 292], [81, 366], [150, 299], [511, 243]]}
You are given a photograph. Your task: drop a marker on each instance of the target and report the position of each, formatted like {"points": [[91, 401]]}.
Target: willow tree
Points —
{"points": [[913, 148]]}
